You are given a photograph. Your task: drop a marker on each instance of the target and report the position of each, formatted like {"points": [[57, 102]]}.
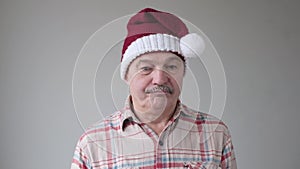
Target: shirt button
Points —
{"points": [[161, 143]]}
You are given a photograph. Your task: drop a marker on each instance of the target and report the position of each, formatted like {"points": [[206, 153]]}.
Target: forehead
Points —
{"points": [[157, 58]]}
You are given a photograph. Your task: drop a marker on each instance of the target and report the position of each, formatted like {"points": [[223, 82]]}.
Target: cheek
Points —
{"points": [[177, 81], [138, 85]]}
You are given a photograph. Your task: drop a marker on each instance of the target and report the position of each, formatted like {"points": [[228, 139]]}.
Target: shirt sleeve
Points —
{"points": [[228, 160], [80, 160]]}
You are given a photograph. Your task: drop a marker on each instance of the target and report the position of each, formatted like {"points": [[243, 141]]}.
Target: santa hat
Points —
{"points": [[151, 30]]}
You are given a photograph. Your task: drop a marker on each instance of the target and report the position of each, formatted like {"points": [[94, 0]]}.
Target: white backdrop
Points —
{"points": [[258, 43]]}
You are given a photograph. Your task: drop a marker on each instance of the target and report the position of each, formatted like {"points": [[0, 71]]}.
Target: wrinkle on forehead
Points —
{"points": [[149, 60]]}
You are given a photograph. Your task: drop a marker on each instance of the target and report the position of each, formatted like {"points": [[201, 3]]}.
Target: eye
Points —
{"points": [[146, 69], [171, 68]]}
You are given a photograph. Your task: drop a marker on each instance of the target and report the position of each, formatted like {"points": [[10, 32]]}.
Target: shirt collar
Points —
{"points": [[127, 114]]}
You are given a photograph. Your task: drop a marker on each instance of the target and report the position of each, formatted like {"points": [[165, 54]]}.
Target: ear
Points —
{"points": [[126, 80]]}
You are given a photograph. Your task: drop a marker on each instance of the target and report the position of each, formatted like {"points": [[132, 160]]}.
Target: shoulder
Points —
{"points": [[207, 122], [99, 129]]}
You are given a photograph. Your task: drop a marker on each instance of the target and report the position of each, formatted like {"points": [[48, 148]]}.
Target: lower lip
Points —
{"points": [[160, 92]]}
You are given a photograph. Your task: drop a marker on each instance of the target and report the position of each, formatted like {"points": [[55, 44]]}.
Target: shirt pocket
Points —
{"points": [[200, 165]]}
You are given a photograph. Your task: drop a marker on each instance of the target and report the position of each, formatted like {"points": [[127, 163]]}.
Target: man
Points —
{"points": [[155, 130]]}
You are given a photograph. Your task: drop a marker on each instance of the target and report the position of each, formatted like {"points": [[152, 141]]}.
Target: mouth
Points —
{"points": [[159, 90]]}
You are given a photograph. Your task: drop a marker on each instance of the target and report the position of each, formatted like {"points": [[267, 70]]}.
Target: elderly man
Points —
{"points": [[155, 130]]}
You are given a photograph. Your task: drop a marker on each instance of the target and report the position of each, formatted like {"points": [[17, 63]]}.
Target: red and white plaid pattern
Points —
{"points": [[190, 140]]}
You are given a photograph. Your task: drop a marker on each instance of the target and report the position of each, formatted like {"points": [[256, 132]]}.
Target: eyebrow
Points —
{"points": [[143, 61]]}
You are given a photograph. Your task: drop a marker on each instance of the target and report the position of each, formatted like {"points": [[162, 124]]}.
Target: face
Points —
{"points": [[155, 81]]}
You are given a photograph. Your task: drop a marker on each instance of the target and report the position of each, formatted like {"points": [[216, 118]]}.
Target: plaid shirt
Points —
{"points": [[190, 140]]}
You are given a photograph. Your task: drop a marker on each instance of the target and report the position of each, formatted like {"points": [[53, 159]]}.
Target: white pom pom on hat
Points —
{"points": [[192, 45]]}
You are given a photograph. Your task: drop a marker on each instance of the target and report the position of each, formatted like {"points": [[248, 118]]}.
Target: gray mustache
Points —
{"points": [[161, 88]]}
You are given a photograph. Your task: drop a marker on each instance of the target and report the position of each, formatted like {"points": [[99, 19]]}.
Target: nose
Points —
{"points": [[159, 77]]}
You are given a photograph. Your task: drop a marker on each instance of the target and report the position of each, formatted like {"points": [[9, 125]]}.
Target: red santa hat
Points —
{"points": [[151, 30]]}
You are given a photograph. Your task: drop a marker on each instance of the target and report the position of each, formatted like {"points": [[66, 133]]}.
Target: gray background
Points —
{"points": [[258, 42]]}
